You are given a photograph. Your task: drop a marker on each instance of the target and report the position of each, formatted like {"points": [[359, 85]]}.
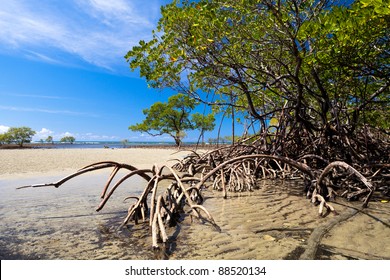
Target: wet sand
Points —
{"points": [[276, 221], [273, 222]]}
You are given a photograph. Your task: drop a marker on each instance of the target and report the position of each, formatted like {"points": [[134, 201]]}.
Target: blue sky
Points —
{"points": [[63, 71]]}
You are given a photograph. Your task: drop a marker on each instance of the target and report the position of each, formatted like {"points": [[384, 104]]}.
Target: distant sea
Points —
{"points": [[100, 144]]}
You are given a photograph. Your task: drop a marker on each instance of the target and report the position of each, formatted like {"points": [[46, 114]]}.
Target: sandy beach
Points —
{"points": [[31, 162], [274, 222]]}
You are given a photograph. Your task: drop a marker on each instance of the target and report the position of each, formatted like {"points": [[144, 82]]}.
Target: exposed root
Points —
{"points": [[165, 209], [369, 188], [319, 232], [238, 168]]}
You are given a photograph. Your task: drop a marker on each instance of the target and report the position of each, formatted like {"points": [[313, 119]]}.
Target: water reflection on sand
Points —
{"points": [[49, 223]]}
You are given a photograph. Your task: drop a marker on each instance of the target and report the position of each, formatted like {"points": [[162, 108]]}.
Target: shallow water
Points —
{"points": [[50, 223], [273, 222]]}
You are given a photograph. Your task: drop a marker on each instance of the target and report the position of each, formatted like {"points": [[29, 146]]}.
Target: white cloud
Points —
{"points": [[87, 136], [43, 133], [3, 128], [99, 32], [148, 137], [96, 137]]}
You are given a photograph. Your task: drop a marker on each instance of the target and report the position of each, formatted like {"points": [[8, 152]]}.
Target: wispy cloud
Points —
{"points": [[35, 96], [98, 32], [118, 11], [48, 111], [41, 57]]}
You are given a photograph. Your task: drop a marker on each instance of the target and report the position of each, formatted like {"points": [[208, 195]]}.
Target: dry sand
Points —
{"points": [[273, 222], [30, 162]]}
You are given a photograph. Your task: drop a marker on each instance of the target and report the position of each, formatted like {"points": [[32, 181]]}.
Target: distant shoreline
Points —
{"points": [[27, 146], [107, 145]]}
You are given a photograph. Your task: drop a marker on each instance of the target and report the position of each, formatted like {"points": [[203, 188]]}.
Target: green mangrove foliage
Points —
{"points": [[174, 118], [320, 66]]}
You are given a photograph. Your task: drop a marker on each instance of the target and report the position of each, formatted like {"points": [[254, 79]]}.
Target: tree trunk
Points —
{"points": [[177, 141]]}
